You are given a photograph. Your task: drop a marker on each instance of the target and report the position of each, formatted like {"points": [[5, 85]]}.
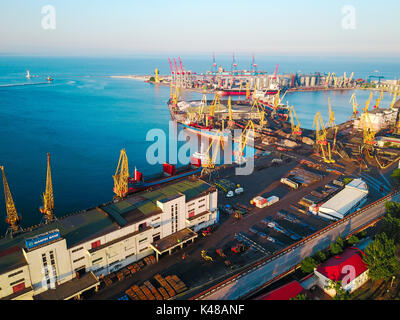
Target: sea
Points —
{"points": [[85, 117]]}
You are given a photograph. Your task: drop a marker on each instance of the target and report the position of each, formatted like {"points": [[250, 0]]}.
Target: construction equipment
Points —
{"points": [[296, 130], [121, 176], [13, 218], [205, 256], [328, 80], [239, 248], [48, 198], [221, 253]]}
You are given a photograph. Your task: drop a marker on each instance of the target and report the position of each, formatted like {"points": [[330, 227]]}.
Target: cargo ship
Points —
{"points": [[206, 131], [170, 173], [271, 91]]}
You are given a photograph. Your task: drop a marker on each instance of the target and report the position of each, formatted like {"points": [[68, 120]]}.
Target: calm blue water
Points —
{"points": [[84, 118]]}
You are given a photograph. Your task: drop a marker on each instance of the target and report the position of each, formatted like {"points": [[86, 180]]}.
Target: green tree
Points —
{"points": [[308, 265], [353, 240], [396, 177], [391, 226], [320, 256], [337, 246], [341, 294], [152, 79], [393, 208], [380, 256], [300, 296]]}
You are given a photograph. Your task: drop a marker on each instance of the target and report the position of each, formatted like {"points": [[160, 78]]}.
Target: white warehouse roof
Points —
{"points": [[340, 204]]}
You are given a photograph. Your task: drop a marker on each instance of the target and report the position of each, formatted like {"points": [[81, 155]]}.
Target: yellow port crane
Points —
{"points": [[320, 133], [371, 95], [247, 133], [296, 130], [48, 197], [353, 100], [231, 123], [394, 99], [156, 78], [13, 218], [368, 129], [175, 94], [202, 107], [378, 101], [210, 162], [247, 91], [331, 123], [327, 80], [260, 112], [121, 176]]}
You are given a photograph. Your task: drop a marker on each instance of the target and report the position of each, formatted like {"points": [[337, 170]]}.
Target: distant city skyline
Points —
{"points": [[354, 28]]}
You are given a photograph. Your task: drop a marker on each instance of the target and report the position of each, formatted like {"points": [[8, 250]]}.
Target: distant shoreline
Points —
{"points": [[135, 77]]}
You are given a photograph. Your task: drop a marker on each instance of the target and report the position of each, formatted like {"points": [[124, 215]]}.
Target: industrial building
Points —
{"points": [[380, 119], [64, 258], [345, 201]]}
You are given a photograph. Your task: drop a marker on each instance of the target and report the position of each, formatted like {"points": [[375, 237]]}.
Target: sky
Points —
{"points": [[128, 27]]}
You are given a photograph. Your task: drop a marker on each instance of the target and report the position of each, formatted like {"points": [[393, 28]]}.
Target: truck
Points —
{"points": [[271, 200], [290, 183]]}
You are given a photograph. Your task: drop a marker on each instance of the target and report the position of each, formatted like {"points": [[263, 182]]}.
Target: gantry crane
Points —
{"points": [[48, 197], [296, 130], [13, 219], [121, 176]]}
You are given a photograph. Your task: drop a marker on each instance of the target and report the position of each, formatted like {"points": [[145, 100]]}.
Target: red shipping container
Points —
{"points": [[195, 161], [169, 169]]}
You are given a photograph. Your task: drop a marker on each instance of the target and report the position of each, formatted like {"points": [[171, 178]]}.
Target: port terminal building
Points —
{"points": [[64, 258], [346, 201]]}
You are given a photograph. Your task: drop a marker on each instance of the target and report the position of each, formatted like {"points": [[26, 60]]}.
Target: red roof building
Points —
{"points": [[286, 292], [347, 267]]}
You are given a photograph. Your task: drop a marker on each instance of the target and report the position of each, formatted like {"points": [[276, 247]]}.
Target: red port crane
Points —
{"points": [[180, 63], [276, 71]]}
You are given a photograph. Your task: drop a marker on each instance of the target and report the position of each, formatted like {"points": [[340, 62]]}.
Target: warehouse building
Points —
{"points": [[345, 201], [64, 258]]}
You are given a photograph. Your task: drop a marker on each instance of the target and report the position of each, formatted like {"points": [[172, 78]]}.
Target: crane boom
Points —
{"points": [[12, 216], [48, 196], [121, 176]]}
